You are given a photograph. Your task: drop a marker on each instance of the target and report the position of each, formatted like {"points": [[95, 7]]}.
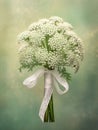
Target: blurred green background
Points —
{"points": [[19, 106]]}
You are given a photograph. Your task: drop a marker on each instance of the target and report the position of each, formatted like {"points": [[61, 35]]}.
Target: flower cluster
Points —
{"points": [[50, 43]]}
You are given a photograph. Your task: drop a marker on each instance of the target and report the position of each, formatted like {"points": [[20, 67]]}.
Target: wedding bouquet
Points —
{"points": [[53, 46]]}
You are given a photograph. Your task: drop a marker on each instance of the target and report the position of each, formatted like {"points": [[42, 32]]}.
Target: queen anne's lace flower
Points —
{"points": [[55, 20], [23, 36], [57, 42], [50, 43]]}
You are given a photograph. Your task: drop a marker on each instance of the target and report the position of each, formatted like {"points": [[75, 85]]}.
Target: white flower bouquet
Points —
{"points": [[53, 45]]}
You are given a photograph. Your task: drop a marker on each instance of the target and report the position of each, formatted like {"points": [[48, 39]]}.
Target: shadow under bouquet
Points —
{"points": [[53, 46]]}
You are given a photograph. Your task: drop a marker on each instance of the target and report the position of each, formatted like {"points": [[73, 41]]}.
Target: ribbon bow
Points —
{"points": [[50, 77]]}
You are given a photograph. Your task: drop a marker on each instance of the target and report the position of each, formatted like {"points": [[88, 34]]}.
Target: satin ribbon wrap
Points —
{"points": [[51, 77]]}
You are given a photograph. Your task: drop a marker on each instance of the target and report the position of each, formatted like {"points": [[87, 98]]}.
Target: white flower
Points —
{"points": [[23, 36], [50, 43], [57, 42], [41, 55], [36, 38], [53, 59], [55, 20], [26, 55], [48, 29], [63, 27], [34, 26]]}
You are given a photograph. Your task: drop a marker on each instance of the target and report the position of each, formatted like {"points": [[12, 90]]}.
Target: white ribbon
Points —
{"points": [[49, 77]]}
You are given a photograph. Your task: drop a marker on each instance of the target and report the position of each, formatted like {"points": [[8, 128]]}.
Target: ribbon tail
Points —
{"points": [[32, 80], [45, 102], [61, 81], [48, 80]]}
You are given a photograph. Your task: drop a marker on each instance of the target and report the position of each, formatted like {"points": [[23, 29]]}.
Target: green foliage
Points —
{"points": [[64, 73]]}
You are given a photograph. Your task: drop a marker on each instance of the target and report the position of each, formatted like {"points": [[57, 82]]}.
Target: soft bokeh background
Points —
{"points": [[19, 106]]}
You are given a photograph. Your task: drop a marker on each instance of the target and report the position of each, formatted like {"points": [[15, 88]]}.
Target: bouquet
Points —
{"points": [[52, 46]]}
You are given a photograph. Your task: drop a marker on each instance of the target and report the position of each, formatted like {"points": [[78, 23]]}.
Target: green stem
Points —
{"points": [[46, 116], [51, 110]]}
